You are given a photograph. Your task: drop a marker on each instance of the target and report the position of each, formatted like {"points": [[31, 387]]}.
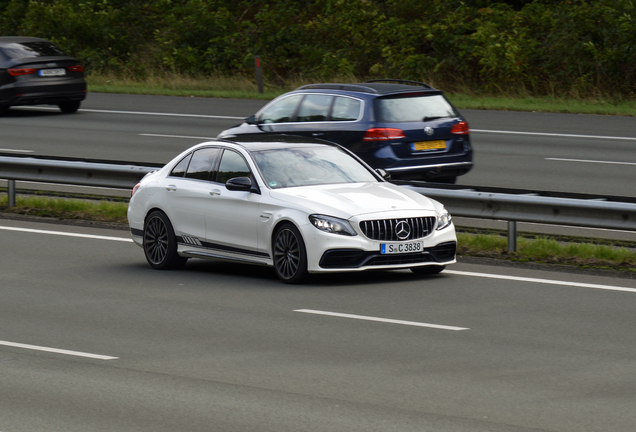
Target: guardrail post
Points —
{"points": [[11, 192], [259, 75], [512, 236]]}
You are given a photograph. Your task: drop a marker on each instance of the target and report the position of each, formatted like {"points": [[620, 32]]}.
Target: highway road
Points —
{"points": [[524, 150], [92, 339]]}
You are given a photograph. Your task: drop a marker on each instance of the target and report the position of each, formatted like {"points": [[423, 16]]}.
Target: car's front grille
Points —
{"points": [[355, 258], [398, 229]]}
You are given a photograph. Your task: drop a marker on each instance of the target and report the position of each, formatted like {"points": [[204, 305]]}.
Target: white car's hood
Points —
{"points": [[348, 200]]}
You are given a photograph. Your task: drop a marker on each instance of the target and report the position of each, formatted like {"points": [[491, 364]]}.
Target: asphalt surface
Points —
{"points": [[523, 150], [93, 339]]}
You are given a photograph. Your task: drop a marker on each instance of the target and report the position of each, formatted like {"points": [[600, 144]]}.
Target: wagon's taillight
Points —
{"points": [[460, 128], [76, 68], [379, 134]]}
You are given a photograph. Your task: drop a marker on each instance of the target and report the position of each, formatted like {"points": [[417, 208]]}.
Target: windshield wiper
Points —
{"points": [[425, 119]]}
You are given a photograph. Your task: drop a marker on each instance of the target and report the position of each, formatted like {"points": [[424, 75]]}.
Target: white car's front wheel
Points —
{"points": [[290, 255]]}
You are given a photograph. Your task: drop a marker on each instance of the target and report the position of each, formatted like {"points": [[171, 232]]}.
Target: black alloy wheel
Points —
{"points": [[290, 256], [69, 107], [160, 243], [428, 270]]}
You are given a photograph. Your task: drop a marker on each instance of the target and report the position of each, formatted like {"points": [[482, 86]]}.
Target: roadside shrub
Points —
{"points": [[574, 48]]}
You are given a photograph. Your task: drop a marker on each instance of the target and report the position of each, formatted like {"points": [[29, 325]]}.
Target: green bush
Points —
{"points": [[577, 48]]}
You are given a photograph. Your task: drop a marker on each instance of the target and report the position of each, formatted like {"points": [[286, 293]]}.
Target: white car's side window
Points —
{"points": [[232, 165], [202, 163]]}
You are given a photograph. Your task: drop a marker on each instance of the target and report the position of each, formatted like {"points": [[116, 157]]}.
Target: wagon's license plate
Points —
{"points": [[400, 248], [428, 145], [52, 72]]}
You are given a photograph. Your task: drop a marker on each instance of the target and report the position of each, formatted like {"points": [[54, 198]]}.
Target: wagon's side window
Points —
{"points": [[315, 107], [346, 109], [281, 111]]}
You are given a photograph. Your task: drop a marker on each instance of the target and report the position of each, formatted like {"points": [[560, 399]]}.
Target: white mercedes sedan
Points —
{"points": [[297, 204]]}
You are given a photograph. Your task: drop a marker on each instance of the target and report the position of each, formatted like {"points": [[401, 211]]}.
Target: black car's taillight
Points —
{"points": [[76, 68], [21, 71]]}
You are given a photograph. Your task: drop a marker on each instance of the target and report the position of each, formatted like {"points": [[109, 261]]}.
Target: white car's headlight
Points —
{"points": [[443, 219], [332, 225]]}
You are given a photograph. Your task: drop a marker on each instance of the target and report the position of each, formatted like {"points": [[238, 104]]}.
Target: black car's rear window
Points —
{"points": [[15, 50], [413, 108]]}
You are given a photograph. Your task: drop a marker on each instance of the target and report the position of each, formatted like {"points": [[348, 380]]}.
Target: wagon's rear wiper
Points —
{"points": [[433, 118]]}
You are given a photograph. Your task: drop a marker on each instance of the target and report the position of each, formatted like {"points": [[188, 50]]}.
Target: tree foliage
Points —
{"points": [[576, 47]]}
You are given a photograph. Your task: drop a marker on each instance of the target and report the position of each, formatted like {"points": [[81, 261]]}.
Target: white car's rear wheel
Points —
{"points": [[160, 243]]}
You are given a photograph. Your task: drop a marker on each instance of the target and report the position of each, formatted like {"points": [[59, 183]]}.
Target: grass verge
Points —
{"points": [[244, 88], [552, 250]]}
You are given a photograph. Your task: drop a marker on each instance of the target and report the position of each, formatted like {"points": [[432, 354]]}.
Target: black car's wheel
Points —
{"points": [[69, 107], [290, 255], [428, 270], [160, 243]]}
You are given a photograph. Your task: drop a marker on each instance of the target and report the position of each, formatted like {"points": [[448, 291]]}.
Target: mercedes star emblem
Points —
{"points": [[402, 230]]}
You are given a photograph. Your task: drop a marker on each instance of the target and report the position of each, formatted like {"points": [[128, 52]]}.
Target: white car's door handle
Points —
{"points": [[215, 192], [317, 134], [171, 188]]}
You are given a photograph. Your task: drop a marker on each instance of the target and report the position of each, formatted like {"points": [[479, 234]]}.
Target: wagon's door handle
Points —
{"points": [[171, 188], [317, 134], [215, 192]]}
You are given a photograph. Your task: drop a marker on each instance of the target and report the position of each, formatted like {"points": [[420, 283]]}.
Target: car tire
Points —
{"points": [[69, 107], [290, 255], [160, 243], [428, 270]]}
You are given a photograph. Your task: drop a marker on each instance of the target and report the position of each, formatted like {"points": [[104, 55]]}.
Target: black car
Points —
{"points": [[34, 71], [406, 128]]}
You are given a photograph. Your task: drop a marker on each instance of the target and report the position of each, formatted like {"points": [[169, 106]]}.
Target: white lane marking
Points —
{"points": [[554, 134], [17, 151], [385, 320], [462, 273], [541, 281], [67, 234], [177, 136], [58, 351], [138, 113], [242, 118], [591, 161]]}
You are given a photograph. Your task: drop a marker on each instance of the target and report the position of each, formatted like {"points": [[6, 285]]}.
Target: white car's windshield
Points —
{"points": [[304, 166]]}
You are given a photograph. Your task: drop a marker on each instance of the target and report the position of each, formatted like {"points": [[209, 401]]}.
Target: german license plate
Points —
{"points": [[52, 72], [400, 248], [428, 145]]}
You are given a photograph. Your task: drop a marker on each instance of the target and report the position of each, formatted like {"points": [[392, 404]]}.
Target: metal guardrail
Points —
{"points": [[581, 211]]}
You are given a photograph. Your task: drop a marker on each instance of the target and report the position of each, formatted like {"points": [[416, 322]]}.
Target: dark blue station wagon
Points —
{"points": [[406, 128]]}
